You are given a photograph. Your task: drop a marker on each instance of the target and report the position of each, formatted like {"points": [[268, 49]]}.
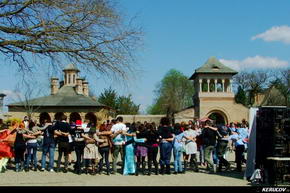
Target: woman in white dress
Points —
{"points": [[91, 152], [190, 147]]}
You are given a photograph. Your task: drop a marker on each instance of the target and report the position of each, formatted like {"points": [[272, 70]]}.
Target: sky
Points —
{"points": [[183, 34]]}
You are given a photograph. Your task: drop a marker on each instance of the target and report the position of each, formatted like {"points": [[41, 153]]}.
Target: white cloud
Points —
{"points": [[11, 96], [276, 33], [256, 62]]}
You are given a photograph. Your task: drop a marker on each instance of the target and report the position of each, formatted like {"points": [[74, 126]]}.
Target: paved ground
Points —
{"points": [[230, 178]]}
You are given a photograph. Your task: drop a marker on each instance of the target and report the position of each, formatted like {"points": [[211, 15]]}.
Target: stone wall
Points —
{"points": [[234, 112], [101, 114], [184, 115], [142, 118]]}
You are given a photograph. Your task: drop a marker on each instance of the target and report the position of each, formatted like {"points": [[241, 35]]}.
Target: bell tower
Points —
{"points": [[214, 96], [70, 75]]}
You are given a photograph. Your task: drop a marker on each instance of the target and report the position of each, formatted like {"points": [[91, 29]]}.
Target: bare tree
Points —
{"points": [[253, 82], [25, 92], [282, 83], [91, 33]]}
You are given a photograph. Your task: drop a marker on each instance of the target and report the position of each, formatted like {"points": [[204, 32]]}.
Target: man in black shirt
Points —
{"points": [[62, 130], [79, 145], [48, 145], [209, 135], [222, 144], [152, 144]]}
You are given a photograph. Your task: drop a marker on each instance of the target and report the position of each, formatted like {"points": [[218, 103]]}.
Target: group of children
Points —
{"points": [[138, 143]]}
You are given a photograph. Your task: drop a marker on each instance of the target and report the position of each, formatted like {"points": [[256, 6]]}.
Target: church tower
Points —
{"points": [[214, 96], [70, 75]]}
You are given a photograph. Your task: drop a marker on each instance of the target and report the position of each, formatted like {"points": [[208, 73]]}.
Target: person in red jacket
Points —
{"points": [[7, 138]]}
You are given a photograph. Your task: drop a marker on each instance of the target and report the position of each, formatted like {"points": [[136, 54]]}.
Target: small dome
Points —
{"points": [[71, 67]]}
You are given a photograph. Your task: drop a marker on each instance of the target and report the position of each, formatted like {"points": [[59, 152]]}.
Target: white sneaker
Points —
{"points": [[42, 169], [51, 170]]}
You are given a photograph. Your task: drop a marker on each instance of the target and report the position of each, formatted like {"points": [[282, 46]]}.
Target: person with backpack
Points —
{"points": [[48, 145]]}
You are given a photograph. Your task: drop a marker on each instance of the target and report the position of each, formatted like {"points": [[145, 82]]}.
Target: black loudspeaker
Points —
{"points": [[288, 112], [287, 126], [272, 137]]}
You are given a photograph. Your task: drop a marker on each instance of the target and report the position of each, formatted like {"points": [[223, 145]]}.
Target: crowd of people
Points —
{"points": [[137, 143]]}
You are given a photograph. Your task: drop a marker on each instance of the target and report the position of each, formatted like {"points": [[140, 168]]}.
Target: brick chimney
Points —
{"points": [[1, 102], [86, 88], [79, 86], [54, 85]]}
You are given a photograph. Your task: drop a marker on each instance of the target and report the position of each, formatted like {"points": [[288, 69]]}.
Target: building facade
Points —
{"points": [[214, 97], [69, 97]]}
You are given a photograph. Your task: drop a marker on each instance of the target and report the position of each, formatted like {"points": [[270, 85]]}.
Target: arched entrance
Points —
{"points": [[74, 117], [44, 116], [58, 115], [218, 117], [92, 118]]}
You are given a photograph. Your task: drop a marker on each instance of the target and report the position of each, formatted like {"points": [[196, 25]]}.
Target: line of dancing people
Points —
{"points": [[134, 142]]}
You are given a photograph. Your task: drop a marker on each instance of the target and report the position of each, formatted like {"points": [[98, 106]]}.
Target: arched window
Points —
{"points": [[69, 78], [74, 79]]}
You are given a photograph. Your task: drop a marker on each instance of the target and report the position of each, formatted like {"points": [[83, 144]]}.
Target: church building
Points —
{"points": [[214, 97], [69, 97]]}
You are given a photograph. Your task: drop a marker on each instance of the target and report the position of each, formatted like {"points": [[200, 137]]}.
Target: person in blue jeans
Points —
{"points": [[178, 148], [48, 146], [31, 147], [165, 132]]}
